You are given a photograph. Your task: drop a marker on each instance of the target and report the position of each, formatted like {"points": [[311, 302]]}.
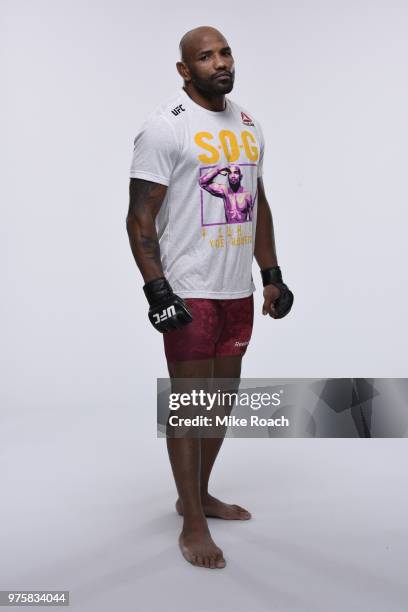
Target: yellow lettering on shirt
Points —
{"points": [[220, 240], [229, 144], [251, 152], [199, 139]]}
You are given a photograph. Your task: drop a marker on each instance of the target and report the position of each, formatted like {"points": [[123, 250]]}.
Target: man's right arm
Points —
{"points": [[167, 310], [145, 200]]}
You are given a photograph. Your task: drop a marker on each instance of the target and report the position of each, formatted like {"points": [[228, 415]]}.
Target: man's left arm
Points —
{"points": [[278, 299]]}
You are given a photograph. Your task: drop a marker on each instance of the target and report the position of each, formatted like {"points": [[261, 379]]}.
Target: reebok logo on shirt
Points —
{"points": [[246, 119]]}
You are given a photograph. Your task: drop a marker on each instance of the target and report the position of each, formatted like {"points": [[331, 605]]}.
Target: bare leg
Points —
{"points": [[224, 367], [195, 540]]}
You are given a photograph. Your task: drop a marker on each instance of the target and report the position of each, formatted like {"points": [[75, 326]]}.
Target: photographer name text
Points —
{"points": [[228, 421]]}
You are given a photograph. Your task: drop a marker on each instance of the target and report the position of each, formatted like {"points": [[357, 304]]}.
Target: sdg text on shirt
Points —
{"points": [[229, 143]]}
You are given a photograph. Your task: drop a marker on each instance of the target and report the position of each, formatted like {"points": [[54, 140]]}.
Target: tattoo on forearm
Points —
{"points": [[144, 195], [146, 199], [151, 248]]}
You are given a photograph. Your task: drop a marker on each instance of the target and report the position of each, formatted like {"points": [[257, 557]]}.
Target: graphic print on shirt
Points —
{"points": [[237, 199], [228, 187]]}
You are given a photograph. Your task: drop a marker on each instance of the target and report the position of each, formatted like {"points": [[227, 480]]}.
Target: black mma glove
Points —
{"points": [[167, 310], [273, 276]]}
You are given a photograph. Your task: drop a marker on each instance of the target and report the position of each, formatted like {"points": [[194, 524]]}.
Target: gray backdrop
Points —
{"points": [[87, 495]]}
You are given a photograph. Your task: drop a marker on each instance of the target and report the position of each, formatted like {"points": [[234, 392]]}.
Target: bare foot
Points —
{"points": [[213, 507], [198, 548]]}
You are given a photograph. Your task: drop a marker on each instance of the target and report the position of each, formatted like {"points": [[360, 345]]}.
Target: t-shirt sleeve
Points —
{"points": [[155, 151], [261, 149]]}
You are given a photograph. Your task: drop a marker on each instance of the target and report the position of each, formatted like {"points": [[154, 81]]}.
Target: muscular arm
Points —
{"points": [[145, 199], [265, 252], [206, 182]]}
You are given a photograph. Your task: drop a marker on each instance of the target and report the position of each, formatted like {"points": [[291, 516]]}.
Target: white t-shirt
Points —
{"points": [[206, 224]]}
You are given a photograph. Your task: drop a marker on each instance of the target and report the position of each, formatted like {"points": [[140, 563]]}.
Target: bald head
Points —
{"points": [[194, 40]]}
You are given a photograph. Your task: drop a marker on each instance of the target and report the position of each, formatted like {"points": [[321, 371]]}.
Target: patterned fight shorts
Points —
{"points": [[219, 328]]}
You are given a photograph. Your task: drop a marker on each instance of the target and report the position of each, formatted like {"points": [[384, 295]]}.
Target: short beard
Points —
{"points": [[214, 87]]}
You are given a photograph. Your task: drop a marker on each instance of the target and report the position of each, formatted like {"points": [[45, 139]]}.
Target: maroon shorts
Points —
{"points": [[219, 328]]}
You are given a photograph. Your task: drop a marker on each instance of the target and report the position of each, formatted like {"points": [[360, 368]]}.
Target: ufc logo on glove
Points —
{"points": [[166, 314], [167, 310]]}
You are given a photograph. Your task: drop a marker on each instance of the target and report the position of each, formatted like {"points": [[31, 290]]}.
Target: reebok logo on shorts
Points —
{"points": [[214, 331]]}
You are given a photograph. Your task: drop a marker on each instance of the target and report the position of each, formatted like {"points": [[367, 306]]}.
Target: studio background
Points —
{"points": [[89, 503]]}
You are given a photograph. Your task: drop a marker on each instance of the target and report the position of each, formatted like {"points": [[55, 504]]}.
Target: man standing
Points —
{"points": [[196, 257]]}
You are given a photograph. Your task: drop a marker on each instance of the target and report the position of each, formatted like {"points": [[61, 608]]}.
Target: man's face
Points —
{"points": [[211, 65], [234, 176]]}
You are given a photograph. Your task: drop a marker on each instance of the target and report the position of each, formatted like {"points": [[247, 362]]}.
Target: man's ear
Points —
{"points": [[183, 71]]}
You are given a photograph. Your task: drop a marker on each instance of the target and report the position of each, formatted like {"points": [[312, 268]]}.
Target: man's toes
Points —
{"points": [[207, 562], [245, 514], [212, 562], [220, 562], [191, 559], [242, 511], [200, 562]]}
